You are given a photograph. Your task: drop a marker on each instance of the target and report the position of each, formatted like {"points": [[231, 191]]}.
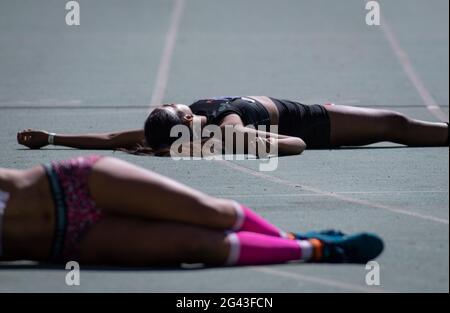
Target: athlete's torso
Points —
{"points": [[251, 111], [292, 118]]}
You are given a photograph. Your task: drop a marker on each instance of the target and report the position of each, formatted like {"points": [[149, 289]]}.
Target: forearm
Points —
{"points": [[84, 141], [260, 133], [247, 140], [127, 139], [291, 146]]}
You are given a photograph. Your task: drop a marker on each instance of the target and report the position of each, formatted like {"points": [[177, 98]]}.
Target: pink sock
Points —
{"points": [[247, 248], [247, 220]]}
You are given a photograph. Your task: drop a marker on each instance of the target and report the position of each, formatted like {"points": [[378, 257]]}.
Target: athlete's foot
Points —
{"points": [[333, 246], [357, 248]]}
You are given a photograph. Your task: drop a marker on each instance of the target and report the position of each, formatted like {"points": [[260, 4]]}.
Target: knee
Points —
{"points": [[222, 212], [395, 122], [203, 248]]}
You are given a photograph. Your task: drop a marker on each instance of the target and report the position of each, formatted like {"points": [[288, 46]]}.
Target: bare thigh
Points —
{"points": [[134, 242], [355, 126], [120, 187]]}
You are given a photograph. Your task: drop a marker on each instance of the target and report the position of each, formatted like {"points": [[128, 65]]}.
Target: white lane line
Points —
{"points": [[41, 102], [334, 195], [164, 65], [316, 280], [412, 75], [394, 192]]}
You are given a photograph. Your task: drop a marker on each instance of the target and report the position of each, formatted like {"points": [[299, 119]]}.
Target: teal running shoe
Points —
{"points": [[340, 248]]}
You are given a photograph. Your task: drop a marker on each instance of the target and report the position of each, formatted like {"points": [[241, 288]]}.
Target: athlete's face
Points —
{"points": [[179, 109]]}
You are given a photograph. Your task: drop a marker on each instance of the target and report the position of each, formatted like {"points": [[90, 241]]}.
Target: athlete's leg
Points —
{"points": [[136, 242], [352, 126], [122, 188]]}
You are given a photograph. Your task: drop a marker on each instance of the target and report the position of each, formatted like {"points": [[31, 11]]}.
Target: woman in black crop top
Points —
{"points": [[299, 126]]}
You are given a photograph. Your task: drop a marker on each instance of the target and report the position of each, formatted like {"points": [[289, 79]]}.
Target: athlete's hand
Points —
{"points": [[33, 139]]}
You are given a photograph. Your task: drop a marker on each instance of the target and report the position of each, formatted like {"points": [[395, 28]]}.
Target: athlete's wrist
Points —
{"points": [[51, 138]]}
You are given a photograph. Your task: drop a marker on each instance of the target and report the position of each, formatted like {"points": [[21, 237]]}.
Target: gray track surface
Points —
{"points": [[100, 76]]}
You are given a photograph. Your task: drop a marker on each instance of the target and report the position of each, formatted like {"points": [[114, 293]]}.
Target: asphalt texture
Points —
{"points": [[100, 77]]}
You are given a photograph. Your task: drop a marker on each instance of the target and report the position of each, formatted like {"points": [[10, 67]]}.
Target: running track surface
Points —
{"points": [[102, 75]]}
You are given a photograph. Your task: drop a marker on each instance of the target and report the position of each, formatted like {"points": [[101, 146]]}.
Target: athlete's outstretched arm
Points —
{"points": [[36, 139]]}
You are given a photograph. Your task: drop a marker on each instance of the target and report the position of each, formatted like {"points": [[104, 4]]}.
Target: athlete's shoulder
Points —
{"points": [[217, 99]]}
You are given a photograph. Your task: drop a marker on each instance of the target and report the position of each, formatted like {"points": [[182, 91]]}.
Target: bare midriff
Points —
{"points": [[270, 107]]}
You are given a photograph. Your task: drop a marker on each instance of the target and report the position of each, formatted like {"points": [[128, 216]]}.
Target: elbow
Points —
{"points": [[110, 136], [301, 146], [291, 146], [298, 146], [112, 140]]}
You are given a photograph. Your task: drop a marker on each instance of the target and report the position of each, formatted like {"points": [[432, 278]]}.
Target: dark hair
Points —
{"points": [[157, 128], [157, 135]]}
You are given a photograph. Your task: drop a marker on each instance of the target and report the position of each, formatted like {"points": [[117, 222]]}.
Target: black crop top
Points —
{"points": [[215, 109]]}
